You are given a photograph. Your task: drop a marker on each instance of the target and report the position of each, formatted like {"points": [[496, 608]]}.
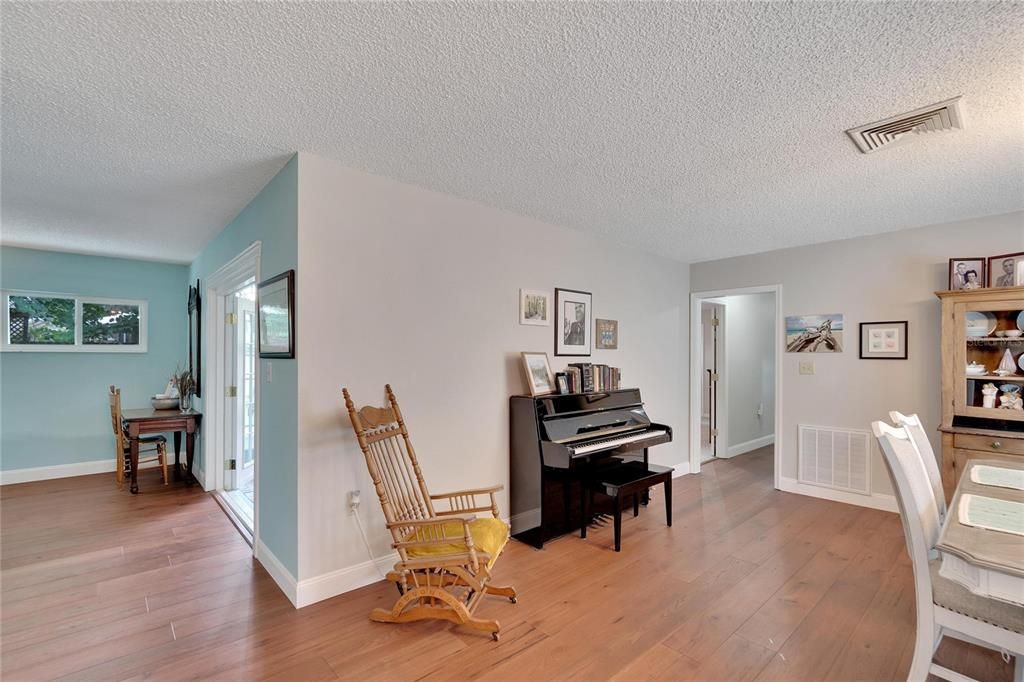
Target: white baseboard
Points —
{"points": [[281, 575], [312, 590], [681, 469], [750, 445], [872, 501], [97, 466]]}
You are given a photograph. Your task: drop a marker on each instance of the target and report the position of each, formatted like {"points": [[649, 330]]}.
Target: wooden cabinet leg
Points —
{"points": [[177, 455]]}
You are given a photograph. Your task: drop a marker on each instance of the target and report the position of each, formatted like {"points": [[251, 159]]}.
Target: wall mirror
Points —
{"points": [[195, 337]]}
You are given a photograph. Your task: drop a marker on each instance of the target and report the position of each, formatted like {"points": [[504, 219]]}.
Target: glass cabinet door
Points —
{"points": [[989, 354]]}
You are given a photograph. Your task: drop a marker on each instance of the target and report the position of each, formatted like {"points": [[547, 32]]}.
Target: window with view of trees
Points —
{"points": [[49, 322], [41, 320], [110, 324]]}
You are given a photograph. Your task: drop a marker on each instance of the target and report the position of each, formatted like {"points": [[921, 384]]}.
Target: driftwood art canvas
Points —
{"points": [[814, 333]]}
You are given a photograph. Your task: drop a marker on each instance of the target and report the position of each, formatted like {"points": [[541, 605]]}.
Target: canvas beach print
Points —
{"points": [[534, 307], [821, 333]]}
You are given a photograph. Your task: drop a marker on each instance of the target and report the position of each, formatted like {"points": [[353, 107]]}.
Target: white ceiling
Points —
{"points": [[697, 130]]}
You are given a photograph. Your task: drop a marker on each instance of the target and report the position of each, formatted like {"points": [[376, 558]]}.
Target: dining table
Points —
{"points": [[150, 420], [981, 544]]}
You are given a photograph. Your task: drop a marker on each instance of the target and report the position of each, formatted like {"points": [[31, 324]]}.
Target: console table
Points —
{"points": [[138, 422]]}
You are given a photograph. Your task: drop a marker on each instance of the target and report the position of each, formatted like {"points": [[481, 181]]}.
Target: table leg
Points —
{"points": [[636, 503], [177, 455], [134, 450], [668, 501], [190, 444]]}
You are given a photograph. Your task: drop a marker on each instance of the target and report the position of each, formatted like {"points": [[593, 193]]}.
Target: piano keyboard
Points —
{"points": [[609, 443]]}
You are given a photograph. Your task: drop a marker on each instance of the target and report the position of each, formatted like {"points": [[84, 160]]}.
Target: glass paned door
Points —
{"points": [[240, 402]]}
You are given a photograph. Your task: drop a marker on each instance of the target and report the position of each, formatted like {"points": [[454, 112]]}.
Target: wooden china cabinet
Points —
{"points": [[970, 430]]}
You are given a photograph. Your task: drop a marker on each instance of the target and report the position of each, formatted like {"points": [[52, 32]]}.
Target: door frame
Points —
{"points": [[697, 368], [225, 281]]}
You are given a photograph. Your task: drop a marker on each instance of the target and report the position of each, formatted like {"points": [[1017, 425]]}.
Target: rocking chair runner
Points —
{"points": [[445, 557]]}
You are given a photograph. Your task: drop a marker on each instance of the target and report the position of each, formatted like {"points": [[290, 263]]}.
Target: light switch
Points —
{"points": [[807, 366], [270, 372]]}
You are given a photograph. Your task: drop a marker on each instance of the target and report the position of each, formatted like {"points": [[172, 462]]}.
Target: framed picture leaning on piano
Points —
{"points": [[573, 322], [539, 379]]}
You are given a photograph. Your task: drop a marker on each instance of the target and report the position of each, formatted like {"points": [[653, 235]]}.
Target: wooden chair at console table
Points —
{"points": [[969, 430], [124, 462], [149, 420], [445, 557]]}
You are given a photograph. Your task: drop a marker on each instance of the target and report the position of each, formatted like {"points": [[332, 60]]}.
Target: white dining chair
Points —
{"points": [[919, 437], [944, 607]]}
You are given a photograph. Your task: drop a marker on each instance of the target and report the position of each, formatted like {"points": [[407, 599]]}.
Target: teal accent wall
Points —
{"points": [[272, 219], [53, 406]]}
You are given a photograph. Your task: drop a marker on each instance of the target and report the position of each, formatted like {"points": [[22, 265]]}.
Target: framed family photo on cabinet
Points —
{"points": [[573, 322]]}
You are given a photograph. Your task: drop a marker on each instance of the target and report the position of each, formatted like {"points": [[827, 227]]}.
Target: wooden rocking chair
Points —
{"points": [[445, 557]]}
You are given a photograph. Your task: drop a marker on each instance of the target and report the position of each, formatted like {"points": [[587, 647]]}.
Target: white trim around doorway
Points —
{"points": [[224, 281], [696, 364]]}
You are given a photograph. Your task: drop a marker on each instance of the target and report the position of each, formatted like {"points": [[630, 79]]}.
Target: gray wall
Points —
{"points": [[884, 277], [750, 352]]}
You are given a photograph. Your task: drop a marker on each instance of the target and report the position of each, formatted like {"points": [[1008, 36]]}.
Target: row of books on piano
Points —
{"points": [[586, 377]]}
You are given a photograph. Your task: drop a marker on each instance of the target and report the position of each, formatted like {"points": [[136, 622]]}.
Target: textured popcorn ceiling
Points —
{"points": [[697, 130]]}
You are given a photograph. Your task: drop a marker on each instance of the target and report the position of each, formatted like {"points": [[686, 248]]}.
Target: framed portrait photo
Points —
{"points": [[275, 304], [573, 322], [534, 307], [883, 340], [539, 379], [966, 273], [606, 334], [1006, 270]]}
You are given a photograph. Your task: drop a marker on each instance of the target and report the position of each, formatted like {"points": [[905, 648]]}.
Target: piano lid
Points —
{"points": [[556, 406], [584, 416]]}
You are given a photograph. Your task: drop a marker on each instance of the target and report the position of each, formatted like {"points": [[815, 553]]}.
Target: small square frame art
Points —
{"points": [[884, 340], [606, 334], [534, 307]]}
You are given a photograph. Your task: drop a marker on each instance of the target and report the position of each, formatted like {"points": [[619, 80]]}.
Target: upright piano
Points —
{"points": [[559, 442]]}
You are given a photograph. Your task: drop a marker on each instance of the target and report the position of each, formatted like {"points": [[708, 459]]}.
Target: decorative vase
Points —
{"points": [[186, 402]]}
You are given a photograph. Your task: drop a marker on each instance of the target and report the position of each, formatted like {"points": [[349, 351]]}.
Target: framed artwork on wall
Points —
{"points": [[1006, 270], [883, 340], [534, 307], [275, 304], [573, 322], [822, 333], [539, 379], [195, 337], [966, 273], [606, 334]]}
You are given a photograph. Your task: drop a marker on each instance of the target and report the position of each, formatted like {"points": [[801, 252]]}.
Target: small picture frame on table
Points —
{"points": [[966, 273], [562, 383], [883, 340], [537, 370]]}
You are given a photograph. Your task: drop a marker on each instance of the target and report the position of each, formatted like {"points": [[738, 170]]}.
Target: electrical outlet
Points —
{"points": [[760, 409], [807, 366], [353, 500]]}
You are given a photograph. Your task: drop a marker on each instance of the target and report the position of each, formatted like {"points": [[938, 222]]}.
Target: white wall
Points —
{"points": [[403, 285], [885, 277], [750, 354]]}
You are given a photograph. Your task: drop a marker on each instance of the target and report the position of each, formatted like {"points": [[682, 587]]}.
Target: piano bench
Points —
{"points": [[627, 480]]}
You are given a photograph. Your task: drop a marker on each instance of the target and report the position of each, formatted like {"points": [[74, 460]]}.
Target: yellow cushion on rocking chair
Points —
{"points": [[489, 535]]}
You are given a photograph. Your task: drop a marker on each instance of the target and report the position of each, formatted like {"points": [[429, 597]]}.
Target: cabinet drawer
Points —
{"points": [[1009, 445]]}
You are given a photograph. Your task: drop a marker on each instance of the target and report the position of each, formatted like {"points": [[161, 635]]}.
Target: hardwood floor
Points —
{"points": [[749, 584]]}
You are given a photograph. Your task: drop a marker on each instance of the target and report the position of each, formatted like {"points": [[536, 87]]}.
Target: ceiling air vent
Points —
{"points": [[942, 116]]}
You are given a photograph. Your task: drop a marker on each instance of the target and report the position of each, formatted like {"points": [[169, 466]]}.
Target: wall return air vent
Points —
{"points": [[937, 117]]}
